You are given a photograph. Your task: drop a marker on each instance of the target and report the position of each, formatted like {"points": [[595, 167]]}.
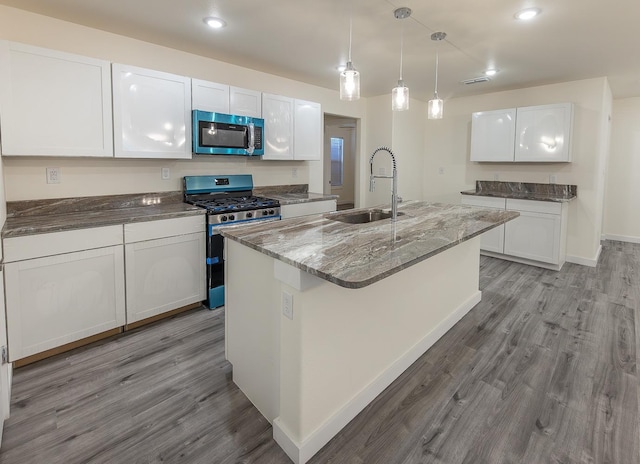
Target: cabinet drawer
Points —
{"points": [[55, 243], [484, 202], [549, 207], [150, 230]]}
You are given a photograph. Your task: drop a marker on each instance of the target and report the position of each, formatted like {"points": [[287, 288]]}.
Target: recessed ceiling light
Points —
{"points": [[215, 23], [491, 72], [527, 14]]}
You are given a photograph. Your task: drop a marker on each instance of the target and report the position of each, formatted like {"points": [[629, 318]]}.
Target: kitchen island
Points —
{"points": [[324, 312]]}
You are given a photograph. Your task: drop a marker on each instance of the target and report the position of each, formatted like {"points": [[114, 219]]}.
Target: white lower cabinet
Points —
{"points": [[538, 236], [491, 240], [165, 266], [62, 287], [304, 209], [5, 368], [55, 300]]}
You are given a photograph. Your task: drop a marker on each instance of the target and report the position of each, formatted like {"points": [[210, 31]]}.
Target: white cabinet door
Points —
{"points": [[245, 102], [304, 209], [5, 375], [493, 135], [277, 112], [60, 299], [151, 113], [307, 133], [491, 240], [544, 133], [54, 103], [164, 274], [209, 96], [534, 236]]}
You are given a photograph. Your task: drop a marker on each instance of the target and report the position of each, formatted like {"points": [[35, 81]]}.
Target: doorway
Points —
{"points": [[339, 159]]}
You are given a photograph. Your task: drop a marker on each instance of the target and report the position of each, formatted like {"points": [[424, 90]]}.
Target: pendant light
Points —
{"points": [[436, 105], [349, 77], [400, 94]]}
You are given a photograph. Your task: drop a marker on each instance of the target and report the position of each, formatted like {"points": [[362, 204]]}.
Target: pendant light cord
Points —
{"points": [[436, 88], [401, 46], [350, 26]]}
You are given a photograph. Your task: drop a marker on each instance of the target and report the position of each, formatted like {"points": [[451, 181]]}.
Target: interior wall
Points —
{"points": [[379, 134], [25, 177], [448, 170], [402, 132], [622, 221]]}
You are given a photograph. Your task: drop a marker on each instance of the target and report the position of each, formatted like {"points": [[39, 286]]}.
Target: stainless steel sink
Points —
{"points": [[361, 217]]}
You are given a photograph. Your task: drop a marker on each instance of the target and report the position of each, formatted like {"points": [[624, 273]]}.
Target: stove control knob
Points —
{"points": [[272, 211], [249, 215], [231, 217], [223, 218], [265, 212]]}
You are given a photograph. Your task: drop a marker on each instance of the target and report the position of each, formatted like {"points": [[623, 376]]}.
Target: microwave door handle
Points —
{"points": [[252, 139]]}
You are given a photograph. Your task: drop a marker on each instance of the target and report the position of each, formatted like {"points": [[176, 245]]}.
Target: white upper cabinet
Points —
{"points": [[278, 113], [54, 103], [307, 134], [527, 134], [245, 102], [543, 133], [493, 135], [209, 96], [151, 113]]}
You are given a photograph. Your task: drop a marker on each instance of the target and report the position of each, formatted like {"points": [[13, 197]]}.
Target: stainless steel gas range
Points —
{"points": [[229, 200]]}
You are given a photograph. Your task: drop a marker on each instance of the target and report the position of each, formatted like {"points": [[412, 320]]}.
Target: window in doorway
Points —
{"points": [[337, 161]]}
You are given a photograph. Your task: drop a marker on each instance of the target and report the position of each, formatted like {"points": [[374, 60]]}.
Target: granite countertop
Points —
{"points": [[44, 216], [291, 194], [524, 191], [357, 255]]}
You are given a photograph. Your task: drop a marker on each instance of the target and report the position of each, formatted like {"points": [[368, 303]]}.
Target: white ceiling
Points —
{"points": [[306, 39]]}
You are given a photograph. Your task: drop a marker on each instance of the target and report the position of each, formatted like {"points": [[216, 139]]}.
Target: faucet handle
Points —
{"points": [[399, 198]]}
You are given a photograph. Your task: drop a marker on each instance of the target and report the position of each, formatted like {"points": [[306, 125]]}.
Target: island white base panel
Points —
{"points": [[310, 375]]}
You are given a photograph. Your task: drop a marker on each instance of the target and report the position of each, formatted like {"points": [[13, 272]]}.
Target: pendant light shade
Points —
{"points": [[350, 78], [349, 83], [400, 94], [436, 105], [400, 97]]}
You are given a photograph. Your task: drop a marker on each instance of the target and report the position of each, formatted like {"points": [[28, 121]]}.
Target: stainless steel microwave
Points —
{"points": [[227, 134]]}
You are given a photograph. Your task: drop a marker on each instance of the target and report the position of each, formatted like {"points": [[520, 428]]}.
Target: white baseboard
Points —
{"points": [[585, 261], [302, 452], [622, 238]]}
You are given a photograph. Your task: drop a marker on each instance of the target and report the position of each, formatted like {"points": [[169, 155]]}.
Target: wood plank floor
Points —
{"points": [[543, 370]]}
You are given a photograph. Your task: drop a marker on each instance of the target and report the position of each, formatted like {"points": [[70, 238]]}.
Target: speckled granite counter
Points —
{"points": [[524, 191], [43, 216], [357, 255], [291, 194]]}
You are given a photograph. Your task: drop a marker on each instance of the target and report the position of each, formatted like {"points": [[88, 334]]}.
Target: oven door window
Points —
{"points": [[222, 135]]}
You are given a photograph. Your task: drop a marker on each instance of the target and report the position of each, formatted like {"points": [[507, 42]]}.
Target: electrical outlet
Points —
{"points": [[165, 173], [440, 170], [287, 305], [496, 176], [294, 173], [552, 179], [53, 175]]}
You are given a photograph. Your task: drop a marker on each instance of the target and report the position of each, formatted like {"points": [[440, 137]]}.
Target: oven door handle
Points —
{"points": [[252, 138]]}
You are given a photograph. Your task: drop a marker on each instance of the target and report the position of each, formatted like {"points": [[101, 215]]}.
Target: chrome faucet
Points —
{"points": [[394, 176]]}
